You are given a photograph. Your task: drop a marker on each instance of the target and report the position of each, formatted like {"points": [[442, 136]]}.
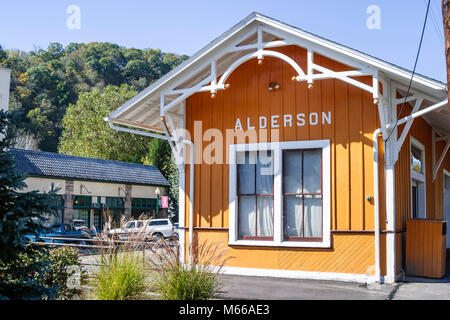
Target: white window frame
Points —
{"points": [[277, 150], [422, 178]]}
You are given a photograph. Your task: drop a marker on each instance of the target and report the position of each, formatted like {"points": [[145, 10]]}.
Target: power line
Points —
{"points": [[434, 20], [414, 70]]}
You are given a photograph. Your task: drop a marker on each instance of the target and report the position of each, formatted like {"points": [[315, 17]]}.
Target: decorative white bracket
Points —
{"points": [[174, 95], [418, 99]]}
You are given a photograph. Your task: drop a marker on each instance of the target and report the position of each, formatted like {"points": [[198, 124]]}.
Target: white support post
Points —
{"points": [[310, 71], [390, 149]]}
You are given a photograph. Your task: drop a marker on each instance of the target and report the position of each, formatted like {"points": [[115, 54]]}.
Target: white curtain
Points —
{"points": [[264, 173], [255, 176], [294, 216], [265, 216], [247, 215], [313, 217]]}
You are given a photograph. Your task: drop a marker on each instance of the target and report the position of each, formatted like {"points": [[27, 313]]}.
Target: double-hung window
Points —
{"points": [[280, 194], [255, 195], [302, 194]]}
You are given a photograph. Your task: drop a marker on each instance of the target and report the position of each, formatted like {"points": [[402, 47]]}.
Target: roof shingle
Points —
{"points": [[39, 163]]}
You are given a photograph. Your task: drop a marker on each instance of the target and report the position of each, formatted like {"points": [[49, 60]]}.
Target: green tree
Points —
{"points": [[21, 214], [2, 54], [46, 82], [85, 133], [160, 155]]}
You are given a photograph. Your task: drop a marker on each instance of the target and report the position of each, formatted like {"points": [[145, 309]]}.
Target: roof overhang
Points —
{"points": [[199, 72]]}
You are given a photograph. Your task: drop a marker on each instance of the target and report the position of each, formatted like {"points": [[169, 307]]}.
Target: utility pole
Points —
{"points": [[446, 20]]}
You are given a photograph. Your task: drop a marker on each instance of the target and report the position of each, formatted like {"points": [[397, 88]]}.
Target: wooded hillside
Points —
{"points": [[45, 82]]}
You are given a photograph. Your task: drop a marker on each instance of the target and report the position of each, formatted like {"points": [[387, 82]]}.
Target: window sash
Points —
{"points": [[255, 222], [301, 195], [277, 149]]}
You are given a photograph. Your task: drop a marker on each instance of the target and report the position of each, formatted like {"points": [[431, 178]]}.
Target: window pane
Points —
{"points": [[416, 159], [247, 216], [312, 173], [292, 166], [246, 172], [293, 210], [265, 216], [264, 173], [313, 217]]}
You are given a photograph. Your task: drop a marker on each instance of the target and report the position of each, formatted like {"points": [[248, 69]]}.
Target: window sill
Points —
{"points": [[283, 244]]}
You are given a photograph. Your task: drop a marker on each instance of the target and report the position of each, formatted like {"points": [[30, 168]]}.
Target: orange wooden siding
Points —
{"points": [[354, 119], [421, 131]]}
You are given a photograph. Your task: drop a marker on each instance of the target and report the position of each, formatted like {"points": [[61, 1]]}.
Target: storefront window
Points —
{"points": [[143, 207], [82, 214]]}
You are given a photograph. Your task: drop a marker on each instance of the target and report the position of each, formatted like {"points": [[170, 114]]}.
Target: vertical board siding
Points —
{"points": [[421, 131], [354, 118]]}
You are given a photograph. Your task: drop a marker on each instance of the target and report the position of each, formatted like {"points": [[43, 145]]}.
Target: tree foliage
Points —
{"points": [[21, 214], [45, 82], [86, 134]]}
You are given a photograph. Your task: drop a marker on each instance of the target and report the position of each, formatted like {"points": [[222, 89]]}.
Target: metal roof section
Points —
{"points": [[245, 39], [48, 164]]}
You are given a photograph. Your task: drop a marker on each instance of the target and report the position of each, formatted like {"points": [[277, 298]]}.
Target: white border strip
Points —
{"points": [[296, 274]]}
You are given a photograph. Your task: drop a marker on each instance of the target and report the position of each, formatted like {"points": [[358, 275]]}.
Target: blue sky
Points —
{"points": [[186, 26]]}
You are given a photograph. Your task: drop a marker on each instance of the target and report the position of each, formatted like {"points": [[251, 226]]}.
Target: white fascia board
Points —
{"points": [[391, 70]]}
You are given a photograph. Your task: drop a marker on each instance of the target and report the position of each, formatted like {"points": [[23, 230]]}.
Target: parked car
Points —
{"points": [[61, 230], [155, 229], [79, 225]]}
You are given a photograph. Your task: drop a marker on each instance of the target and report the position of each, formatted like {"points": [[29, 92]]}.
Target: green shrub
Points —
{"points": [[54, 275], [122, 274], [64, 264], [121, 277], [200, 280]]}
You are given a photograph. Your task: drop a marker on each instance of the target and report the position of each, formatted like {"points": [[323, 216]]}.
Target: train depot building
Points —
{"points": [[91, 189], [297, 154]]}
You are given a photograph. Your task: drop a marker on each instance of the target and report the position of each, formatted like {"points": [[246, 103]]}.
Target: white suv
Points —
{"points": [[156, 228]]}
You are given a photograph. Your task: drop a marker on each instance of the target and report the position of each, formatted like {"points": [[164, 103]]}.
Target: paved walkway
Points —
{"points": [[259, 288]]}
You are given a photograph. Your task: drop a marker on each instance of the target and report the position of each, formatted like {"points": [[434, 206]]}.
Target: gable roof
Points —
{"points": [[48, 164], [148, 100]]}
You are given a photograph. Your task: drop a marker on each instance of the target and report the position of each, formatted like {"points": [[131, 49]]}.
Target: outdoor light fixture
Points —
{"points": [[82, 186], [273, 86]]}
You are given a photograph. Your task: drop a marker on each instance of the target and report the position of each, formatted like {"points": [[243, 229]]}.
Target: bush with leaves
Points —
{"points": [[63, 273]]}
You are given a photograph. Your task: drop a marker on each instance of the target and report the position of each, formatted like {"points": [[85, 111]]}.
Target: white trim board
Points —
{"points": [[297, 274], [277, 149]]}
